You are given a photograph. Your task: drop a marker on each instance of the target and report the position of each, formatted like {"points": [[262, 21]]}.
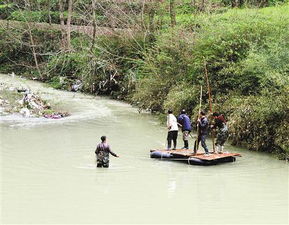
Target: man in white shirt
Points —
{"points": [[172, 125]]}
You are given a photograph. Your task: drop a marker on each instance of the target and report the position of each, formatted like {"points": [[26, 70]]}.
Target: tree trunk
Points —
{"points": [[93, 24], [203, 6], [151, 14], [193, 3], [33, 50], [49, 8], [62, 24], [38, 5], [69, 15], [32, 42], [241, 3], [172, 13]]}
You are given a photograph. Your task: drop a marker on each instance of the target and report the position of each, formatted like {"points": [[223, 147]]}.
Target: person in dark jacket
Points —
{"points": [[203, 124], [185, 123], [222, 135], [102, 153]]}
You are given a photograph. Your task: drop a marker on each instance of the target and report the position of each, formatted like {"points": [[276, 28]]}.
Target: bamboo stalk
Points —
{"points": [[198, 127], [210, 102]]}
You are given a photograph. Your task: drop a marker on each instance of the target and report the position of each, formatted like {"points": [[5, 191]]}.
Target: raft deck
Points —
{"points": [[189, 154]]}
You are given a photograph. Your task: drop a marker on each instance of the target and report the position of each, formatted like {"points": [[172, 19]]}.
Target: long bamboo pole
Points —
{"points": [[196, 147], [210, 102]]}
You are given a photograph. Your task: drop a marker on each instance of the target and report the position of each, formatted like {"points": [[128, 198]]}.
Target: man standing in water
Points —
{"points": [[102, 153], [185, 122], [223, 133], [203, 131], [172, 125]]}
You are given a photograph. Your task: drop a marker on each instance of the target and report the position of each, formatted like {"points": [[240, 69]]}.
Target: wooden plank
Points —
{"points": [[215, 156], [190, 153]]}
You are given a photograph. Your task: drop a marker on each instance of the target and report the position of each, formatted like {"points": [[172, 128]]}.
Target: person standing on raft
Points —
{"points": [[102, 153], [203, 131], [172, 125], [223, 133], [185, 123]]}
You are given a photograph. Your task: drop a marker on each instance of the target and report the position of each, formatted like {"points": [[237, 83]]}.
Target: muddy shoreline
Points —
{"points": [[17, 99]]}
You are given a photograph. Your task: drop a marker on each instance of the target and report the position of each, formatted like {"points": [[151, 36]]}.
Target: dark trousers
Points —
{"points": [[186, 134], [105, 165], [202, 138], [172, 136]]}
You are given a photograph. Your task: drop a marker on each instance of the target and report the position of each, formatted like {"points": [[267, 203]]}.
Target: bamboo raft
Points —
{"points": [[188, 156]]}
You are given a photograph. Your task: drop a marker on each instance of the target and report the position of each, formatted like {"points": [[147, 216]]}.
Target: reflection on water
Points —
{"points": [[48, 173]]}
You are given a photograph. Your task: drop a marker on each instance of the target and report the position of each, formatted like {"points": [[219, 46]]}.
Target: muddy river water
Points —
{"points": [[49, 174]]}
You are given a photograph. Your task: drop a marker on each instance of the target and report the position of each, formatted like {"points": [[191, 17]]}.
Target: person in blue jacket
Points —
{"points": [[185, 123]]}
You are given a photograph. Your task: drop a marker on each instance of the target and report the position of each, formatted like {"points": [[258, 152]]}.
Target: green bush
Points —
{"points": [[68, 65], [260, 122], [246, 53], [183, 96], [165, 66], [56, 83], [16, 56], [6, 9], [109, 68]]}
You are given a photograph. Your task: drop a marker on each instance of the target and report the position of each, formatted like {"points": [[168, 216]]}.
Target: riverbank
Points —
{"points": [[244, 51], [79, 106], [20, 100]]}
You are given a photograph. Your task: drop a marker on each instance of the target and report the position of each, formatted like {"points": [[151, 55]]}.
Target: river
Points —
{"points": [[49, 174]]}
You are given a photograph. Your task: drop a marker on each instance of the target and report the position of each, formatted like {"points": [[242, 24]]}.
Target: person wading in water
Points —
{"points": [[102, 153]]}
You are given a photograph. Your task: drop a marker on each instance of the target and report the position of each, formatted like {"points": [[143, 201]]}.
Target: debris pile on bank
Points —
{"points": [[24, 101]]}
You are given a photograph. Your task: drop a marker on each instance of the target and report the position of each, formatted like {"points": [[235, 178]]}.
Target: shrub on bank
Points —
{"points": [[246, 55], [259, 122], [247, 49], [107, 68], [17, 55]]}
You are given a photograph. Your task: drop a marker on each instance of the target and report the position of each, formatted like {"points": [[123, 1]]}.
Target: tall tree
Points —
{"points": [[62, 24], [32, 43], [173, 13], [93, 5], [68, 27], [49, 9]]}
